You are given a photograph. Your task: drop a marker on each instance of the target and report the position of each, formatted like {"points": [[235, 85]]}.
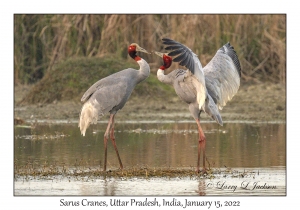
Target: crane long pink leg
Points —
{"points": [[106, 136], [112, 137], [201, 146]]}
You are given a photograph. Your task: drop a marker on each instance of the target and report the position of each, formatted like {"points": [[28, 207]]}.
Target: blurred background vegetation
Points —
{"points": [[44, 43]]}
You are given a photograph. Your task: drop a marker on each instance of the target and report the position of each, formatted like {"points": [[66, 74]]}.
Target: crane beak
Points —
{"points": [[138, 48], [159, 54]]}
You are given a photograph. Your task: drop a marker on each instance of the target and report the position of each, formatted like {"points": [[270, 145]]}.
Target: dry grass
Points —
{"points": [[43, 40]]}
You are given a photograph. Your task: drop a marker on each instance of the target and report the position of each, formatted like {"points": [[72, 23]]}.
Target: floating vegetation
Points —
{"points": [[161, 131], [176, 131], [57, 135], [79, 171]]}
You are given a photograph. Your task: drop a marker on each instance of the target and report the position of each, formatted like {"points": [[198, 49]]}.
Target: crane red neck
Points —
{"points": [[132, 53], [167, 62]]}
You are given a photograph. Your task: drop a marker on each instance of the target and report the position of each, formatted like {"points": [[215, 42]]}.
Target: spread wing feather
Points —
{"points": [[183, 54], [186, 57], [222, 75]]}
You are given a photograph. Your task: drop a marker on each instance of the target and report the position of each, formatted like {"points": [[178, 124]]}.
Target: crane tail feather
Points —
{"points": [[88, 115], [212, 110]]}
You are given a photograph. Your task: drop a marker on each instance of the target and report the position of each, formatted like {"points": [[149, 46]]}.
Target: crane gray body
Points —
{"points": [[110, 94]]}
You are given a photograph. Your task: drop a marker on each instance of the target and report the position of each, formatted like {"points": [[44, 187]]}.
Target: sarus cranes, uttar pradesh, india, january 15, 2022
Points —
{"points": [[205, 89], [110, 95]]}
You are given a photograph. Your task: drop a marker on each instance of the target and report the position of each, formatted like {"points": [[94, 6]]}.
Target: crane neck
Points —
{"points": [[133, 55], [162, 77], [144, 70]]}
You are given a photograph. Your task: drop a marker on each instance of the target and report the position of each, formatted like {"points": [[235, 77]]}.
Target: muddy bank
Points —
{"points": [[255, 102]]}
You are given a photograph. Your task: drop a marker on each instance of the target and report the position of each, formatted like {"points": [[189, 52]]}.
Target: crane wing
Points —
{"points": [[120, 77], [100, 99], [222, 75], [107, 97], [91, 90], [186, 57], [109, 92]]}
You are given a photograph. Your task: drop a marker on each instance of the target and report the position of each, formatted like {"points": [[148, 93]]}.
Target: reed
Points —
{"points": [[41, 41]]}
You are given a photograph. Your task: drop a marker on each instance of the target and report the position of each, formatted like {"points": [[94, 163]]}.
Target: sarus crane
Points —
{"points": [[205, 89], [110, 95]]}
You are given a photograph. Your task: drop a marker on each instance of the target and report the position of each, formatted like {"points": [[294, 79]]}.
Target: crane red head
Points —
{"points": [[132, 50], [167, 60]]}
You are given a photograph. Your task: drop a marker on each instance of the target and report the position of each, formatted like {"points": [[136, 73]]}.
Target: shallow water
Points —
{"points": [[260, 148], [270, 181]]}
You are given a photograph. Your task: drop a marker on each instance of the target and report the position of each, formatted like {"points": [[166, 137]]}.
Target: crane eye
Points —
{"points": [[131, 48]]}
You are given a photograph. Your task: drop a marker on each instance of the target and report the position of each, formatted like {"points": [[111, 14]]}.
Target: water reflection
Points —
{"points": [[153, 145], [202, 187]]}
